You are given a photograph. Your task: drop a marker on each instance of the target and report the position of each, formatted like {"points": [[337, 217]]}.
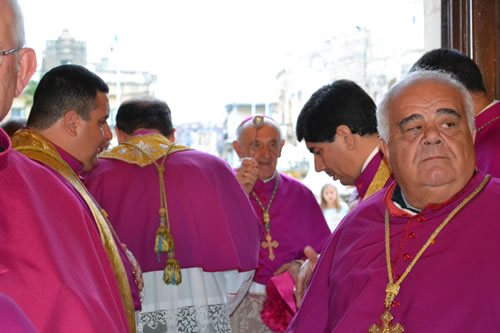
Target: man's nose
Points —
{"points": [[318, 163], [432, 136], [265, 151], [108, 135]]}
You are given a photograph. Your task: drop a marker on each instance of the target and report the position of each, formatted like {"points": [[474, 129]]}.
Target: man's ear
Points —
{"points": [[281, 148], [171, 137], [71, 122], [121, 136], [27, 66], [236, 147], [385, 150], [345, 136]]}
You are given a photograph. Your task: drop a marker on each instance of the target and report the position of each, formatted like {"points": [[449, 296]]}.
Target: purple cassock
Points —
{"points": [[77, 168], [296, 220], [453, 287], [487, 145], [52, 262], [211, 221], [12, 319], [375, 176]]}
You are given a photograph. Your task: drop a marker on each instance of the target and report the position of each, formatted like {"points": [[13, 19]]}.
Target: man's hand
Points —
{"points": [[136, 269], [304, 274], [247, 174], [292, 267]]}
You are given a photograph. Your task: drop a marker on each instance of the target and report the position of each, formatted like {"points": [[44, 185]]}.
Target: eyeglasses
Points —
{"points": [[6, 53]]}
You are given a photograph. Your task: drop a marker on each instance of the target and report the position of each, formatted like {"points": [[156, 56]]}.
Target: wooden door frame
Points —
{"points": [[470, 27]]}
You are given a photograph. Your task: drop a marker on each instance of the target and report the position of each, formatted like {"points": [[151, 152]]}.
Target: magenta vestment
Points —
{"points": [[296, 220], [211, 220], [12, 319], [52, 262], [77, 168], [452, 288], [487, 144]]}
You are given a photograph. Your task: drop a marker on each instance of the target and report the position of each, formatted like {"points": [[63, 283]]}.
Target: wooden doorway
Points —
{"points": [[471, 26]]}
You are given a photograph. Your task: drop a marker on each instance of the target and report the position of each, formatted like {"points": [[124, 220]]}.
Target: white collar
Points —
{"points": [[265, 181], [489, 106], [408, 205], [406, 210], [370, 157]]}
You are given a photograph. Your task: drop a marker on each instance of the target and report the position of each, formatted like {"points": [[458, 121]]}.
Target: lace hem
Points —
{"points": [[207, 319]]}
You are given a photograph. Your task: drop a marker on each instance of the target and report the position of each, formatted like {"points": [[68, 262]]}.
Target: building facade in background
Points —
{"points": [[363, 54], [124, 83]]}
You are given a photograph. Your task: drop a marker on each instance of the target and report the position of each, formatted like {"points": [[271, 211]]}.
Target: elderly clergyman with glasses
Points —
{"points": [[55, 275]]}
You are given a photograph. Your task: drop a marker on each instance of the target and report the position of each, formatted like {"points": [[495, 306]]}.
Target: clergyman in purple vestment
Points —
{"points": [[291, 219], [339, 126], [213, 226], [66, 129], [52, 263], [406, 258], [486, 109]]}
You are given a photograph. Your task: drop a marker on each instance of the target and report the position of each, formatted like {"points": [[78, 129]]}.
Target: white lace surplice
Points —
{"points": [[201, 303]]}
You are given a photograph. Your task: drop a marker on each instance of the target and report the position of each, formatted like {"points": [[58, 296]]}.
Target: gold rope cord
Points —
{"points": [[164, 241]]}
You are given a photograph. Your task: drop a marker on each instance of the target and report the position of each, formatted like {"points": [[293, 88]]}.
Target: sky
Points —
{"points": [[206, 53]]}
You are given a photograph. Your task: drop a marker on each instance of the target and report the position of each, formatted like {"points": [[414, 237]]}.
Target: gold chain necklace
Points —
{"points": [[268, 243], [392, 288]]}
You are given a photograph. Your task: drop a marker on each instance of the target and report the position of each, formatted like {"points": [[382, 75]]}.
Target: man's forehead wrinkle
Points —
{"points": [[411, 106]]}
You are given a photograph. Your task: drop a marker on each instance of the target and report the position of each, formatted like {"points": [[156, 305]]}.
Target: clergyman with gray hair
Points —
{"points": [[405, 259], [486, 109]]}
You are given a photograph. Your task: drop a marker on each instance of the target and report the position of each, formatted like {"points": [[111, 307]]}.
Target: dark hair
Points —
{"points": [[144, 113], [342, 102], [13, 125], [65, 88], [463, 68]]}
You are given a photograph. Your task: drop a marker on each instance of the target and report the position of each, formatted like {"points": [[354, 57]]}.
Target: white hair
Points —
{"points": [[384, 107], [17, 30], [249, 123]]}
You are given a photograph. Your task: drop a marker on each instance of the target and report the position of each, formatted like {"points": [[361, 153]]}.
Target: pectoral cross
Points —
{"points": [[386, 327], [269, 244]]}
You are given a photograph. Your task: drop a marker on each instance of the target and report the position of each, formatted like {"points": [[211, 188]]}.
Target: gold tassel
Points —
{"points": [[164, 242], [172, 272]]}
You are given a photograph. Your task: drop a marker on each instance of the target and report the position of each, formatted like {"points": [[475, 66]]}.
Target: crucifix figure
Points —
{"points": [[270, 244], [386, 327]]}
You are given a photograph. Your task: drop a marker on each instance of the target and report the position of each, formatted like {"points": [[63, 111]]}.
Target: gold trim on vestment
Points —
{"points": [[36, 147], [381, 177], [164, 241], [156, 145]]}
